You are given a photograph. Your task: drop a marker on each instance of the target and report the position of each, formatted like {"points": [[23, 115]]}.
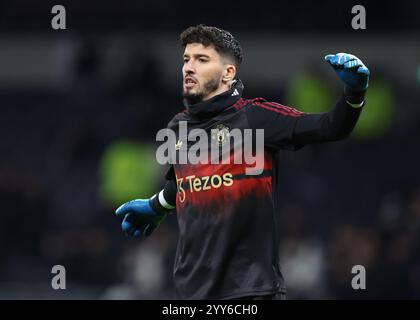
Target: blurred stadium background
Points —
{"points": [[80, 109]]}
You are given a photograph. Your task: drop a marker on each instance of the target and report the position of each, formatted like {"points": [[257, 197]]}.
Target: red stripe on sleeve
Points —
{"points": [[282, 111], [288, 109]]}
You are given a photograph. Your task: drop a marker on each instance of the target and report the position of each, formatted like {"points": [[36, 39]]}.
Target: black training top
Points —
{"points": [[228, 239]]}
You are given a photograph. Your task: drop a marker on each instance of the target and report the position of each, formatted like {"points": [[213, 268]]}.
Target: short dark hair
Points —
{"points": [[223, 41]]}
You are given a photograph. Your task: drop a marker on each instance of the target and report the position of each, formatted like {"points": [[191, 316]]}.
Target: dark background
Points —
{"points": [[80, 109]]}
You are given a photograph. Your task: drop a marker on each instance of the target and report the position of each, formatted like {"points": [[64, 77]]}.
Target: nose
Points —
{"points": [[189, 67]]}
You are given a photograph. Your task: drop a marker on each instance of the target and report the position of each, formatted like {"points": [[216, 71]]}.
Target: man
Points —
{"points": [[228, 239]]}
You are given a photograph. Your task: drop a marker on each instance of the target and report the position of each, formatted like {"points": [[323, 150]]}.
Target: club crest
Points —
{"points": [[220, 134]]}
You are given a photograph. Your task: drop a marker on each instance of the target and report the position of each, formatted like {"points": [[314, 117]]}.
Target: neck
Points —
{"points": [[221, 89]]}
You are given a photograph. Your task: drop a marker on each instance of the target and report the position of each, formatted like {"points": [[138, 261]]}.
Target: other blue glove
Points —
{"points": [[352, 72], [139, 218]]}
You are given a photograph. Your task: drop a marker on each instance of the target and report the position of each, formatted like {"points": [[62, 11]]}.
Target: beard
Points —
{"points": [[208, 87]]}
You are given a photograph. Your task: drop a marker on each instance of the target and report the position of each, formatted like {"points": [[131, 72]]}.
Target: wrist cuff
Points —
{"points": [[159, 204], [354, 97], [164, 203], [356, 105]]}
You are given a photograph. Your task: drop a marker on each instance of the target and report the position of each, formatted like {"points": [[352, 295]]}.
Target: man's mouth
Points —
{"points": [[189, 82]]}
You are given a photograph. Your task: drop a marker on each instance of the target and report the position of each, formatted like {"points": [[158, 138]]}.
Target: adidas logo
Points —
{"points": [[235, 93]]}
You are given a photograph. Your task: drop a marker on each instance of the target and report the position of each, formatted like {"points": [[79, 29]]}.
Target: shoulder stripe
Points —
{"points": [[283, 111], [240, 103], [289, 109]]}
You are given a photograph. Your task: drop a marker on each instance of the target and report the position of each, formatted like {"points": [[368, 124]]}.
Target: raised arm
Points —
{"points": [[288, 128]]}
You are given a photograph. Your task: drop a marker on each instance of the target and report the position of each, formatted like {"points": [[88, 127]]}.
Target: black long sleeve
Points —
{"points": [[289, 128], [168, 193], [334, 125]]}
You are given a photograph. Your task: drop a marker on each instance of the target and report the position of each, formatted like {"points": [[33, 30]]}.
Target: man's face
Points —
{"points": [[202, 72]]}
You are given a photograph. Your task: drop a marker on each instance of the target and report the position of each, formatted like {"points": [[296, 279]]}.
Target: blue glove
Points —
{"points": [[139, 218], [353, 73]]}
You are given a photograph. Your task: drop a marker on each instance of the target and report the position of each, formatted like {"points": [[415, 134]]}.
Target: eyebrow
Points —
{"points": [[199, 55]]}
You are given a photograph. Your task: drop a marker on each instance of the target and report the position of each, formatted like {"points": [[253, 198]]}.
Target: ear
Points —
{"points": [[229, 73]]}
